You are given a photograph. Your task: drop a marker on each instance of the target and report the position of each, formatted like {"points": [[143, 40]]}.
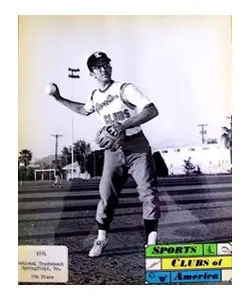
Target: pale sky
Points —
{"points": [[183, 64]]}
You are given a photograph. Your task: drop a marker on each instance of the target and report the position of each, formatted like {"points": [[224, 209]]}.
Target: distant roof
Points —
{"points": [[68, 167], [196, 147], [34, 166]]}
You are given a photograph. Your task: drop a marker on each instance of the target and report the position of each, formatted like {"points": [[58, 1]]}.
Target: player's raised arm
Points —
{"points": [[80, 108]]}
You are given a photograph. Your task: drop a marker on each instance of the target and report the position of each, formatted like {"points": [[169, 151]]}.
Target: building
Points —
{"points": [[76, 172], [210, 158]]}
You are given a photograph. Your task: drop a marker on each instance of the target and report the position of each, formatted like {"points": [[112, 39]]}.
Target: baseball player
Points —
{"points": [[122, 108]]}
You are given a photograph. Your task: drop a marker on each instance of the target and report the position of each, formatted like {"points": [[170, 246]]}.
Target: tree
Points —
{"points": [[95, 163], [65, 158], [188, 166], [25, 156], [81, 152], [227, 138]]}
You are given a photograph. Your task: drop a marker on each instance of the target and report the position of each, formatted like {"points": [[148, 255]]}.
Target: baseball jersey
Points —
{"points": [[118, 102]]}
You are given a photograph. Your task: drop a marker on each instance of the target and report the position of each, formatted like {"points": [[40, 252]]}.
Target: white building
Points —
{"points": [[76, 172], [211, 158]]}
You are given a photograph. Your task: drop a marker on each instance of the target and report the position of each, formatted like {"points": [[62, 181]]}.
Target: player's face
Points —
{"points": [[102, 73]]}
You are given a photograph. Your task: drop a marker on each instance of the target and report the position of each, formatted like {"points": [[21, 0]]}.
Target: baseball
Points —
{"points": [[50, 89]]}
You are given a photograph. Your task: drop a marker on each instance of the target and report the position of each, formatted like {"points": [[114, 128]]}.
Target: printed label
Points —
{"points": [[205, 262], [196, 276], [178, 250], [42, 263]]}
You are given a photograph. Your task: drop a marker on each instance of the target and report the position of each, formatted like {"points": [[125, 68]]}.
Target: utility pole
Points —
{"points": [[203, 132], [73, 75], [56, 145]]}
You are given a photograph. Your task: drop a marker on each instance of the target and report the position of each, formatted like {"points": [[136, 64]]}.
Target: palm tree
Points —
{"points": [[227, 138], [25, 156]]}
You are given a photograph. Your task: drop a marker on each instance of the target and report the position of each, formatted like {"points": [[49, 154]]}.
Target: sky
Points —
{"points": [[182, 63]]}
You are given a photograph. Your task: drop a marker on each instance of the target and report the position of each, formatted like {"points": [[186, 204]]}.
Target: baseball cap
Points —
{"points": [[97, 59]]}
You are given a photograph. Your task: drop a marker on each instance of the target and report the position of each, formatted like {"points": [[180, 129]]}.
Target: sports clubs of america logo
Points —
{"points": [[100, 106]]}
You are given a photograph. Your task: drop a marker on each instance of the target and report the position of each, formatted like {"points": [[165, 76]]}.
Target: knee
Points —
{"points": [[148, 192], [103, 189]]}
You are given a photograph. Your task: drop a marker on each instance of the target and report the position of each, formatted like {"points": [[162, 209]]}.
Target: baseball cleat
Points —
{"points": [[97, 248]]}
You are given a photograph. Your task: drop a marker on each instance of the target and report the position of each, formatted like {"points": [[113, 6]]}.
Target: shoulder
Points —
{"points": [[129, 87], [124, 86], [125, 91], [131, 93], [116, 85]]}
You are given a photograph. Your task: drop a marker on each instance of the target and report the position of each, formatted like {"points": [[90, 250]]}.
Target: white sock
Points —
{"points": [[152, 238], [102, 234]]}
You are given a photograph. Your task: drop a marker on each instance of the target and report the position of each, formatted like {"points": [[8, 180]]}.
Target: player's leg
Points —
{"points": [[143, 171], [56, 180], [113, 179], [59, 181]]}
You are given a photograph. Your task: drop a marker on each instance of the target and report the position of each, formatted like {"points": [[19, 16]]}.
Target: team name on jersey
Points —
{"points": [[117, 116], [110, 99]]}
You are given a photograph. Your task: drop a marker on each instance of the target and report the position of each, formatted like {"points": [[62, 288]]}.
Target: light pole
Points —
{"points": [[73, 75]]}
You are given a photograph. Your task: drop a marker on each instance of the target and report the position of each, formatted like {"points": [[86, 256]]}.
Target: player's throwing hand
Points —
{"points": [[53, 90]]}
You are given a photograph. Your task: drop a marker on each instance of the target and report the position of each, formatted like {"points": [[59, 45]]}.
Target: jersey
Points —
{"points": [[118, 102]]}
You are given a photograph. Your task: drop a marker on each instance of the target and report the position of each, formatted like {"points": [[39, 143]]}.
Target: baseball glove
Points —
{"points": [[110, 137]]}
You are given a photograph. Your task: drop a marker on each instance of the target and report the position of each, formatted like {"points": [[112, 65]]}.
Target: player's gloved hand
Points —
{"points": [[110, 137], [117, 128]]}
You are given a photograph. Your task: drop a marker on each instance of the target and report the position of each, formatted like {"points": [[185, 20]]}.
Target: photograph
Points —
{"points": [[125, 149]]}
